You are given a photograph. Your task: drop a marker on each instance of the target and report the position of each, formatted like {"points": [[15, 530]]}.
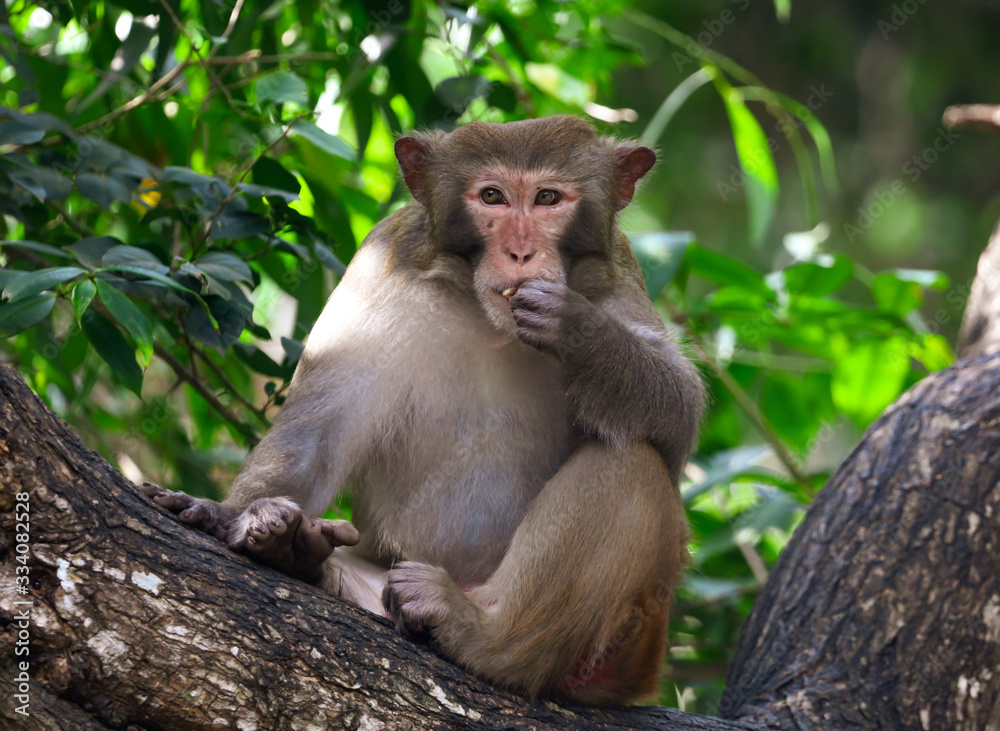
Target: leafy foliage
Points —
{"points": [[182, 183]]}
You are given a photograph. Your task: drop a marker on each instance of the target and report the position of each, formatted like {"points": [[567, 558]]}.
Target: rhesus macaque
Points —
{"points": [[493, 384]]}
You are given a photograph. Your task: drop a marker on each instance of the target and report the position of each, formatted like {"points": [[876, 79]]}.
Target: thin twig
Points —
{"points": [[760, 421], [975, 116], [247, 431], [519, 91], [246, 171], [229, 386], [69, 219], [216, 82], [147, 96]]}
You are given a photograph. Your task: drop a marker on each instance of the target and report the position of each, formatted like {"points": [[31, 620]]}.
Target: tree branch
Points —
{"points": [[137, 621]]}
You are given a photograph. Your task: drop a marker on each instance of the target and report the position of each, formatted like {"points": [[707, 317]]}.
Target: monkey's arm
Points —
{"points": [[626, 379]]}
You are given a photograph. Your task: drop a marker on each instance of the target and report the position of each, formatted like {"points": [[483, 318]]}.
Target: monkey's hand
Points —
{"points": [[276, 533], [419, 597], [200, 513], [552, 317]]}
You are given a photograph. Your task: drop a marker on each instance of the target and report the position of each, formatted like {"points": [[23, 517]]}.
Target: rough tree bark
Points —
{"points": [[883, 611]]}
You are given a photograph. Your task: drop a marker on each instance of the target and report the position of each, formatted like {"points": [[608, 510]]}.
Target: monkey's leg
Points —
{"points": [[580, 603], [356, 579]]}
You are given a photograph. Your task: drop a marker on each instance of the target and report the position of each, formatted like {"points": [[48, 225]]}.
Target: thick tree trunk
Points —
{"points": [[883, 611], [980, 331]]}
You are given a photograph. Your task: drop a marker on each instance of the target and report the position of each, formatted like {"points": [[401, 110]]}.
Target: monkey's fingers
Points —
{"points": [[340, 532], [175, 502], [315, 540], [150, 489]]}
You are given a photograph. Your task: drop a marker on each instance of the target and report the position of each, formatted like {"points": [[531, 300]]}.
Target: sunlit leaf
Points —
{"points": [[869, 377], [324, 140], [756, 161], [722, 269], [83, 295], [129, 316]]}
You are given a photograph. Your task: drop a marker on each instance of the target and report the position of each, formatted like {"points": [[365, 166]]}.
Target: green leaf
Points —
{"points": [[36, 246], [23, 314], [112, 346], [272, 174], [458, 92], [103, 189], [783, 9], [17, 132], [926, 278], [261, 361], [35, 282], [282, 86], [123, 310], [209, 284], [328, 259], [819, 278], [149, 273], [225, 266], [263, 191], [933, 351], [219, 326], [869, 377], [90, 250], [756, 161], [660, 255], [9, 275], [42, 182], [895, 295], [239, 225], [324, 140], [83, 294], [293, 349], [725, 270], [133, 256]]}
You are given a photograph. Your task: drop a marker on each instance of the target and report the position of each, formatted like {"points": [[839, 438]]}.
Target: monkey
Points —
{"points": [[492, 383]]}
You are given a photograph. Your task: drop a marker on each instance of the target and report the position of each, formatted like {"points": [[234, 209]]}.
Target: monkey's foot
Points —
{"points": [[201, 514], [276, 533], [419, 597]]}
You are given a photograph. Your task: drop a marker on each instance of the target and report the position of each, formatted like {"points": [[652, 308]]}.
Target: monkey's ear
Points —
{"points": [[412, 156], [634, 162]]}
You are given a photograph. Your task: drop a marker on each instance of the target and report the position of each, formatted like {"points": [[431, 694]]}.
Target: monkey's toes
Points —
{"points": [[415, 596]]}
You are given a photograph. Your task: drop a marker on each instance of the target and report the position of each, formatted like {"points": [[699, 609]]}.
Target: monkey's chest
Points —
{"points": [[466, 472]]}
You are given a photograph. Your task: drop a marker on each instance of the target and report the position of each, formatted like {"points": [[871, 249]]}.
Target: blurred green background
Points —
{"points": [[182, 182]]}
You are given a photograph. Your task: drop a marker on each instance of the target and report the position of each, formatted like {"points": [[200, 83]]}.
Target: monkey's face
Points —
{"points": [[520, 216]]}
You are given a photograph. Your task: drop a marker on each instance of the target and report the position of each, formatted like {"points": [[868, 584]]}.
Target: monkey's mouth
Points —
{"points": [[509, 292]]}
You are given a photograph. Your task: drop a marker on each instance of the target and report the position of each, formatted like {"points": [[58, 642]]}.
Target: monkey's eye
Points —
{"points": [[492, 197], [548, 197]]}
